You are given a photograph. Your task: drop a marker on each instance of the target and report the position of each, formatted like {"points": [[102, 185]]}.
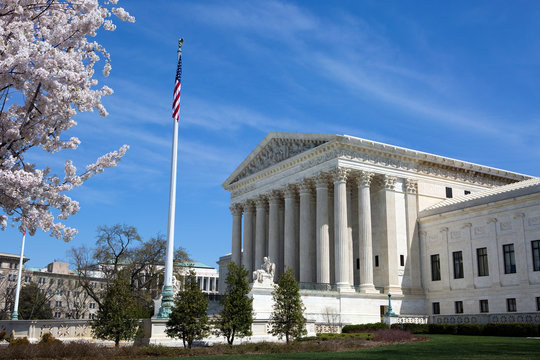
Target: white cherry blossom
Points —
{"points": [[47, 58]]}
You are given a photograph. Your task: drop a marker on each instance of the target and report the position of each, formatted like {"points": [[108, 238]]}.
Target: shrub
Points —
{"points": [[47, 338], [512, 329], [413, 328], [364, 327], [19, 341], [3, 335], [392, 335]]}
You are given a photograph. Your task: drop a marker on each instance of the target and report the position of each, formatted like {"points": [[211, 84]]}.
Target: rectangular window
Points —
{"points": [[448, 192], [458, 264], [467, 192], [42, 281], [58, 304], [537, 303], [509, 259], [436, 308], [484, 306], [482, 258], [459, 307], [536, 254], [401, 260], [435, 268], [57, 315], [60, 282], [357, 264], [92, 305], [511, 305], [27, 279], [376, 260]]}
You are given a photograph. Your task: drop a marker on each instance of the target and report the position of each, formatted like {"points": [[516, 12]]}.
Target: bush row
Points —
{"points": [[512, 329], [347, 329]]}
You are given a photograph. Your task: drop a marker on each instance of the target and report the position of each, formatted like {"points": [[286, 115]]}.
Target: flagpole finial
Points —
{"points": [[180, 42]]}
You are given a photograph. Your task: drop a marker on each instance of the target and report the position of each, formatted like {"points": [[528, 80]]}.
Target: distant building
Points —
{"points": [[67, 298], [59, 284]]}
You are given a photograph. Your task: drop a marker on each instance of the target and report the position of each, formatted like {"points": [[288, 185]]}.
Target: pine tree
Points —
{"points": [[117, 316], [288, 317], [33, 303], [188, 319], [237, 315]]}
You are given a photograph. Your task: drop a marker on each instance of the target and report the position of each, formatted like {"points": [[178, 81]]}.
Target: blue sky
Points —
{"points": [[458, 79]]}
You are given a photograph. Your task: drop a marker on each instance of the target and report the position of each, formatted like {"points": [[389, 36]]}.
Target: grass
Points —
{"points": [[439, 347]]}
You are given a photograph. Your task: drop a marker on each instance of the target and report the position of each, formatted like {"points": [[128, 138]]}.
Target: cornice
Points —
{"points": [[372, 153]]}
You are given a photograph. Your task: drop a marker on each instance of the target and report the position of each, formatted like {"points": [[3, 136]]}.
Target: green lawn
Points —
{"points": [[440, 347]]}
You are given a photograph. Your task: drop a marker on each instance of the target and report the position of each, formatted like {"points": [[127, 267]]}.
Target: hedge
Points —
{"points": [[511, 329], [364, 327]]}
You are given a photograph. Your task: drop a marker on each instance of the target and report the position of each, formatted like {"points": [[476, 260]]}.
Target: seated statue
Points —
{"points": [[266, 272]]}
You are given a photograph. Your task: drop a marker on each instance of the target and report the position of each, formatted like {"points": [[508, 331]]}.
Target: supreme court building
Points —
{"points": [[357, 219]]}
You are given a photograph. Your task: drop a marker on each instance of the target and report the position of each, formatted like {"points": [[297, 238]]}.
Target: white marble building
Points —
{"points": [[342, 212]]}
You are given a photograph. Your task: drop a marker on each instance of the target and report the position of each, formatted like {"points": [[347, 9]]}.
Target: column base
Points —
{"points": [[393, 289], [368, 289], [344, 288]]}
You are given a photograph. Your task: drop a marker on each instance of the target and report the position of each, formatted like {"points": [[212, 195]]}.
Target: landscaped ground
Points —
{"points": [[439, 347]]}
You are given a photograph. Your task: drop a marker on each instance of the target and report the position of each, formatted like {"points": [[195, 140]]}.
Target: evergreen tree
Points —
{"points": [[117, 316], [237, 315], [288, 317], [188, 319], [33, 303]]}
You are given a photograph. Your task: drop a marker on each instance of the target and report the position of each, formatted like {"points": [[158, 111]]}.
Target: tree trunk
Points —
{"points": [[117, 342]]}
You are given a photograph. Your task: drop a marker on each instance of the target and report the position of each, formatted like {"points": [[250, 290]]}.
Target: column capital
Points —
{"points": [[306, 186], [492, 220], [261, 201], [519, 216], [236, 209], [274, 196], [364, 178], [289, 191], [340, 174], [249, 206], [444, 229], [411, 186], [389, 182], [467, 226], [322, 180]]}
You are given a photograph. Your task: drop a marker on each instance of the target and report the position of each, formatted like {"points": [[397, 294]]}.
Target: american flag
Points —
{"points": [[177, 86]]}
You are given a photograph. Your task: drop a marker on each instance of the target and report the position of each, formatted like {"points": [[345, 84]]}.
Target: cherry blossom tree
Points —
{"points": [[47, 58]]}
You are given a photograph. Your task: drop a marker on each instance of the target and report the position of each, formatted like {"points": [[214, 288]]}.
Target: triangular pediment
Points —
{"points": [[276, 148]]}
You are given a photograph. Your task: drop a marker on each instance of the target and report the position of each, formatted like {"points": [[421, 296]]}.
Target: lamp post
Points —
{"points": [[15, 314]]}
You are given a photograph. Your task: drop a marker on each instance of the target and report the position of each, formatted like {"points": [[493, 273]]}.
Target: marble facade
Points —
{"points": [[342, 213]]}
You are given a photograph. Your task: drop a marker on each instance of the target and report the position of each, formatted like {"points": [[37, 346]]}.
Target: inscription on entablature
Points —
{"points": [[455, 235]]}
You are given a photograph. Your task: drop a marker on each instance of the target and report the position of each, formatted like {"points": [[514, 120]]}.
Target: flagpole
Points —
{"points": [[15, 314], [167, 293]]}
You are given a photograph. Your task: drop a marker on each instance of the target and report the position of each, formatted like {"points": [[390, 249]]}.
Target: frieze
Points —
{"points": [[506, 225], [479, 230]]}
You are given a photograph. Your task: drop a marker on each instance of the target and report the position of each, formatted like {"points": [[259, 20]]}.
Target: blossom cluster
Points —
{"points": [[47, 58]]}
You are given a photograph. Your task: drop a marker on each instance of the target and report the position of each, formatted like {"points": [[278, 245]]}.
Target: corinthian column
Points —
{"points": [[323, 235], [341, 231], [236, 248], [413, 243], [364, 230], [306, 236], [289, 244], [273, 226], [390, 263], [247, 256], [260, 231]]}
